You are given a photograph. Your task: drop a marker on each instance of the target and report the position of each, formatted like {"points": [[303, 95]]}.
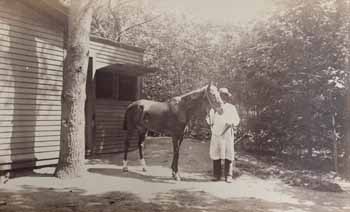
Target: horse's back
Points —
{"points": [[150, 106], [151, 115]]}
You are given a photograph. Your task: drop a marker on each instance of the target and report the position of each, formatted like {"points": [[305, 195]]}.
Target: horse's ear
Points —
{"points": [[209, 85]]}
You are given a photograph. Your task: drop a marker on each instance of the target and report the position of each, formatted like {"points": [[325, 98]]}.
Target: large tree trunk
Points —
{"points": [[72, 151]]}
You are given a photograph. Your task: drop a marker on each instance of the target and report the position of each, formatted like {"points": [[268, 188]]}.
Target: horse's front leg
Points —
{"points": [[177, 140]]}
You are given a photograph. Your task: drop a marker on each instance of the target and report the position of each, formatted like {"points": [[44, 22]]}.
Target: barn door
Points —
{"points": [[90, 109]]}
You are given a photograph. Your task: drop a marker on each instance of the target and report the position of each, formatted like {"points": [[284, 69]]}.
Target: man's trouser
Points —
{"points": [[228, 168], [218, 170]]}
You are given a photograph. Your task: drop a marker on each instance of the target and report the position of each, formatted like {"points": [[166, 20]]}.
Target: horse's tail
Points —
{"points": [[135, 108], [125, 122], [125, 127]]}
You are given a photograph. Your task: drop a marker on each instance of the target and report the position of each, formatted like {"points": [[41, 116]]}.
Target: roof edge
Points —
{"points": [[116, 44]]}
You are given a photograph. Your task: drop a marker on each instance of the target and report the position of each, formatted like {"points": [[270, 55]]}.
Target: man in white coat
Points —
{"points": [[223, 124]]}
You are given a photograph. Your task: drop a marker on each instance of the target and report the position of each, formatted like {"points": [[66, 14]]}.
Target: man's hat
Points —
{"points": [[225, 91]]}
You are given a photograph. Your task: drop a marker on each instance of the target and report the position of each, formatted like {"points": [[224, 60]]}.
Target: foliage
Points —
{"points": [[293, 73]]}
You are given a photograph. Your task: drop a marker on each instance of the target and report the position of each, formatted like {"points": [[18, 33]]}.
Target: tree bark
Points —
{"points": [[72, 147], [335, 144], [346, 160]]}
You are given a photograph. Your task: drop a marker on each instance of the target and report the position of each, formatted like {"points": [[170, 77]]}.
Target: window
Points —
{"points": [[104, 85], [127, 88], [111, 85]]}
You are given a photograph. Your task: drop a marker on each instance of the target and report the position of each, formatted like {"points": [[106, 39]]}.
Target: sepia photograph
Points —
{"points": [[174, 106]]}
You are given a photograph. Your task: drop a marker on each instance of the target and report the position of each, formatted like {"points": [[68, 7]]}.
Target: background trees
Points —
{"points": [[294, 76]]}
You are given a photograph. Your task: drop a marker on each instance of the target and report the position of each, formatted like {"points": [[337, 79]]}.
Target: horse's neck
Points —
{"points": [[193, 94], [190, 101]]}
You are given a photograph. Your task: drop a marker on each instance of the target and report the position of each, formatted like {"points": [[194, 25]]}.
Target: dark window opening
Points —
{"points": [[127, 88], [104, 85]]}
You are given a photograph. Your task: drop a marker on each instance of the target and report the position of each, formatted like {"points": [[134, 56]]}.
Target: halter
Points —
{"points": [[210, 103]]}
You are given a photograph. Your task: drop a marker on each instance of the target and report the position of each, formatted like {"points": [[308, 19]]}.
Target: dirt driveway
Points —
{"points": [[106, 188]]}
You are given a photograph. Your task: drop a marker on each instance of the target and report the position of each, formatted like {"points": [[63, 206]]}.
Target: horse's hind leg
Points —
{"points": [[141, 145], [126, 150]]}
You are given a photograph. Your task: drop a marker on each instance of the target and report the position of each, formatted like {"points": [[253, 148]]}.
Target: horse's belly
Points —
{"points": [[169, 127], [156, 127], [158, 118]]}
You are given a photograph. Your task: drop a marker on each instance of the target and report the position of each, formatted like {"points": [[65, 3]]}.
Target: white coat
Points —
{"points": [[221, 145]]}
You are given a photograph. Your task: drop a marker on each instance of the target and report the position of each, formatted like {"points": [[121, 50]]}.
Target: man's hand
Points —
{"points": [[227, 127]]}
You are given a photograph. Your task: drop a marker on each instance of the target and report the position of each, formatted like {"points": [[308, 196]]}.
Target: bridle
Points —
{"points": [[210, 103], [209, 99]]}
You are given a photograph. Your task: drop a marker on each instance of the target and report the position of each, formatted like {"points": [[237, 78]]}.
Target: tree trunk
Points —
{"points": [[346, 160], [72, 148], [335, 145]]}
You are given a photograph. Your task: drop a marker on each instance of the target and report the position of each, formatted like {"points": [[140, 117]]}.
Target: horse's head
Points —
{"points": [[198, 101], [213, 97]]}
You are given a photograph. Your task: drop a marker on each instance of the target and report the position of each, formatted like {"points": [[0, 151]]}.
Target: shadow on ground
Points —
{"points": [[194, 155], [119, 173], [32, 199], [144, 176]]}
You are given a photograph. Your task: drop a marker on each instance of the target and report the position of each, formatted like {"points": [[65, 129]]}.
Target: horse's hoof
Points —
{"points": [[125, 169], [176, 176], [143, 164]]}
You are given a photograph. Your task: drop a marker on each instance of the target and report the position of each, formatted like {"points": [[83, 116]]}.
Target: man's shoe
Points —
{"points": [[216, 179], [228, 179]]}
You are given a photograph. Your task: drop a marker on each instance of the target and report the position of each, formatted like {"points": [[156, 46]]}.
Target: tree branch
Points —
{"points": [[116, 23], [122, 3], [136, 25]]}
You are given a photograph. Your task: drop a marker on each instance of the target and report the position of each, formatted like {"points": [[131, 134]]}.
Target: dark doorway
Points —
{"points": [[90, 109], [127, 88]]}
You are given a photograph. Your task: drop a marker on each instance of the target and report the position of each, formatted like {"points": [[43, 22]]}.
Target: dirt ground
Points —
{"points": [[105, 188]]}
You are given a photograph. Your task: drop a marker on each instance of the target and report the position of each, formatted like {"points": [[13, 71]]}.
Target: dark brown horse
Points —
{"points": [[169, 117]]}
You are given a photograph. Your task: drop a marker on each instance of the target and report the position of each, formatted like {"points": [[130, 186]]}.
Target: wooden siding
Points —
{"points": [[109, 137], [108, 54], [31, 71], [31, 58]]}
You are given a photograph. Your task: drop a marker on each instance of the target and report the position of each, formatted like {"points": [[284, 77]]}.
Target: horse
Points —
{"points": [[170, 117]]}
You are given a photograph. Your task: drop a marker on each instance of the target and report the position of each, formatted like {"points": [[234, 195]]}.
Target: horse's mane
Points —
{"points": [[188, 97], [199, 90]]}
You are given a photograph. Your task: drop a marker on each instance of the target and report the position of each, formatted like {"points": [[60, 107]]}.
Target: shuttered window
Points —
{"points": [[104, 85], [111, 85], [127, 88]]}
